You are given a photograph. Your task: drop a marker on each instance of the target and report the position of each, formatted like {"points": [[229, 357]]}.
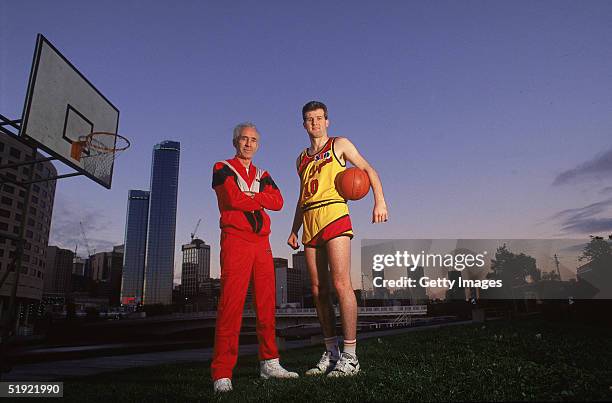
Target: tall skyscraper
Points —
{"points": [[196, 267], [161, 231], [135, 247]]}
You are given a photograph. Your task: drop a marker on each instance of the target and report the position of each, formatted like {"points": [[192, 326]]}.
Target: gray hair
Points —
{"points": [[239, 128]]}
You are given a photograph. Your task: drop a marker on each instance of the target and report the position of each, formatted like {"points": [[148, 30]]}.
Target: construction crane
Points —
{"points": [[193, 234], [89, 251]]}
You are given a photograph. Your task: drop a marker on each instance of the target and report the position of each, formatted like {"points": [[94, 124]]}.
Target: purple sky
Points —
{"points": [[483, 119]]}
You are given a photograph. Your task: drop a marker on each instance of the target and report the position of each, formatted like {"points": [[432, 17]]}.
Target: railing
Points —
{"points": [[408, 310], [361, 311]]}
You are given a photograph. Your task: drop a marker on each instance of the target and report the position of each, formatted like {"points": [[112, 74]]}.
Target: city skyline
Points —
{"points": [[484, 120]]}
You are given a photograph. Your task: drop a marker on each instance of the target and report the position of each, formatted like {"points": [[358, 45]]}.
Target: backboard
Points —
{"points": [[62, 105]]}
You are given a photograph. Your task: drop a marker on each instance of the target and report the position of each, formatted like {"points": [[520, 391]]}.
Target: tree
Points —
{"points": [[598, 273], [513, 269], [550, 275], [596, 252]]}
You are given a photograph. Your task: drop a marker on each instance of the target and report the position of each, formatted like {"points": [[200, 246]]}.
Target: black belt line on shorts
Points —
{"points": [[312, 207]]}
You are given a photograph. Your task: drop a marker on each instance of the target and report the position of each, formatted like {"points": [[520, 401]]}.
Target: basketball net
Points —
{"points": [[97, 151]]}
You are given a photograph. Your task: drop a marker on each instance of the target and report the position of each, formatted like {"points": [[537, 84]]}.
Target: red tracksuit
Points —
{"points": [[245, 254]]}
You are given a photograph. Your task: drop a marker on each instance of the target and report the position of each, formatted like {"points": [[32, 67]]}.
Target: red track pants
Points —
{"points": [[242, 260]]}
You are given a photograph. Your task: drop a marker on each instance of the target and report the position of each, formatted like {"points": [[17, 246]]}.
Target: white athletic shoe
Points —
{"points": [[324, 366], [347, 365], [273, 369], [223, 385]]}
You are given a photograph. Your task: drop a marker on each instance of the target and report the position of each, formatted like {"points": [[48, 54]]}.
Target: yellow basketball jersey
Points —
{"points": [[317, 175]]}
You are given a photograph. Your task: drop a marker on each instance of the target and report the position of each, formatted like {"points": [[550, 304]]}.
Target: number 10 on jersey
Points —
{"points": [[311, 188]]}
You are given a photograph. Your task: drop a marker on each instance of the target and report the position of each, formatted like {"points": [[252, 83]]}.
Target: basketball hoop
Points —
{"points": [[97, 151]]}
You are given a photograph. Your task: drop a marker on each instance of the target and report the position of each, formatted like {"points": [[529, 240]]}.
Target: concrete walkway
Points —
{"points": [[60, 370]]}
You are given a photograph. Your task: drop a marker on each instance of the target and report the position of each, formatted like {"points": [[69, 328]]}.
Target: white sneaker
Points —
{"points": [[223, 385], [347, 365], [273, 369], [326, 363]]}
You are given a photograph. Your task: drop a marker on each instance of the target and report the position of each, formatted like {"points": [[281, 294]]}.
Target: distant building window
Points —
{"points": [[22, 193], [33, 211], [11, 176], [8, 189], [29, 234], [25, 171], [6, 201], [36, 188], [18, 217], [34, 199], [3, 226], [15, 230], [4, 213], [15, 153]]}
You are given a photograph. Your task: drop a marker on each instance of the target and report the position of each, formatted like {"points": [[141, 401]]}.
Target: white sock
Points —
{"points": [[350, 346], [331, 345]]}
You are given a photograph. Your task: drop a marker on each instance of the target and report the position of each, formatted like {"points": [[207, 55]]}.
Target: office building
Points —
{"points": [[106, 273], [299, 263], [36, 213], [280, 273], [195, 267], [58, 270], [159, 261], [134, 247], [418, 294], [294, 286]]}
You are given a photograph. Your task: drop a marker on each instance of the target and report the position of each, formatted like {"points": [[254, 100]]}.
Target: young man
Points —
{"points": [[243, 192], [327, 233]]}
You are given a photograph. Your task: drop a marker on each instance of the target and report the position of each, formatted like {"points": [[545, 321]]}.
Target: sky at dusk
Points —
{"points": [[484, 119]]}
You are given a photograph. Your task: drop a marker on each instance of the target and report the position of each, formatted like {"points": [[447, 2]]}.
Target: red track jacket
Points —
{"points": [[240, 214]]}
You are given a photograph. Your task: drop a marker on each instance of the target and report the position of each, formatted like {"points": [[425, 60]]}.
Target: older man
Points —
{"points": [[243, 192]]}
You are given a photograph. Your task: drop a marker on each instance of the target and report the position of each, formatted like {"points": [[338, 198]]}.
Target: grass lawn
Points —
{"points": [[510, 360]]}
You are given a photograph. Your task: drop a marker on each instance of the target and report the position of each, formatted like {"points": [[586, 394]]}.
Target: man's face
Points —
{"points": [[247, 143], [315, 123]]}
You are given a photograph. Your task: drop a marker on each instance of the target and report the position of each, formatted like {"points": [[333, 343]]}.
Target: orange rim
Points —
{"points": [[102, 148]]}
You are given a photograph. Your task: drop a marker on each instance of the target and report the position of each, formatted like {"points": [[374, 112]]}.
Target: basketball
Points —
{"points": [[353, 183]]}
